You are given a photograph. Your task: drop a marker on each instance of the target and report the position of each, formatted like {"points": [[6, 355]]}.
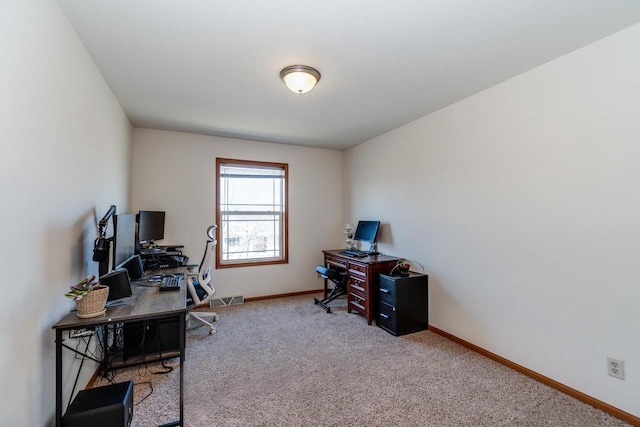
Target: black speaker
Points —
{"points": [[118, 283], [133, 265], [108, 406]]}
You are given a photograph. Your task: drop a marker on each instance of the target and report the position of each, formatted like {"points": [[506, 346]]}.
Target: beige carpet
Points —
{"points": [[286, 362]]}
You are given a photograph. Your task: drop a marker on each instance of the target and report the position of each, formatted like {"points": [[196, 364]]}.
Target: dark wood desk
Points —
{"points": [[362, 279], [146, 303]]}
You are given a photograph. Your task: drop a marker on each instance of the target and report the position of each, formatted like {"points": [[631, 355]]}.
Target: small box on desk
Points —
{"points": [[165, 261], [107, 406]]}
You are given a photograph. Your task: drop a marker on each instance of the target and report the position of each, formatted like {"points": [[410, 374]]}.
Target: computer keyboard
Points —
{"points": [[170, 283], [351, 252]]}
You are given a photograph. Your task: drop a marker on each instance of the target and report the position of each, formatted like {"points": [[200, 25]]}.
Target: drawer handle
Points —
{"points": [[384, 315], [385, 290]]}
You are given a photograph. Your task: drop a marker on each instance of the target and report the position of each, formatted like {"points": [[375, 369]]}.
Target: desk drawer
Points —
{"points": [[358, 285], [358, 302], [387, 317], [387, 293], [338, 262], [357, 269]]}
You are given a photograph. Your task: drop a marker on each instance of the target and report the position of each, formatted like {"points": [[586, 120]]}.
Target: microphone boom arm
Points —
{"points": [[103, 222]]}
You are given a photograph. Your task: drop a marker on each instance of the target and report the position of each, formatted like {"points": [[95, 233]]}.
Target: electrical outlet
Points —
{"points": [[615, 367]]}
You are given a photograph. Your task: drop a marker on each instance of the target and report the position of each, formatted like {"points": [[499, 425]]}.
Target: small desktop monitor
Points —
{"points": [[367, 231], [118, 283], [150, 226], [124, 238]]}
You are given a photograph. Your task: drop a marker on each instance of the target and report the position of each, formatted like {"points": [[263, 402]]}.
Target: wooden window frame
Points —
{"points": [[285, 215]]}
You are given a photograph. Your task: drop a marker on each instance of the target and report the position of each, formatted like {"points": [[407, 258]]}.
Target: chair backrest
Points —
{"points": [[207, 256], [201, 289]]}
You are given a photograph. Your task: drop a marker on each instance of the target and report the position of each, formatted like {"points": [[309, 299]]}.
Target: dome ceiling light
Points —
{"points": [[300, 78]]}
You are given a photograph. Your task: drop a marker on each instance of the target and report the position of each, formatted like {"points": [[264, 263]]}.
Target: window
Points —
{"points": [[251, 212]]}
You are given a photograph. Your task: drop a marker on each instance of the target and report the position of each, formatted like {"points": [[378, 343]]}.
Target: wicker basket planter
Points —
{"points": [[92, 304]]}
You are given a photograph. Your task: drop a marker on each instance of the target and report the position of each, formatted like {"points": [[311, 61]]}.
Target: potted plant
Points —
{"points": [[403, 266], [90, 297]]}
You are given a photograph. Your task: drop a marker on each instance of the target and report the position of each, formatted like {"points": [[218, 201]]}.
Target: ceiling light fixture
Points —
{"points": [[300, 78]]}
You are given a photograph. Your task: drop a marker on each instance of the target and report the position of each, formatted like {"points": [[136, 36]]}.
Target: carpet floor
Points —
{"points": [[286, 362]]}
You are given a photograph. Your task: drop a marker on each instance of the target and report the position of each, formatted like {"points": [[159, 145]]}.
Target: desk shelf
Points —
{"points": [[138, 342], [118, 362]]}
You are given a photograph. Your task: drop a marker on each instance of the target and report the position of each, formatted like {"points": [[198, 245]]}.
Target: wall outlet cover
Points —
{"points": [[615, 367]]}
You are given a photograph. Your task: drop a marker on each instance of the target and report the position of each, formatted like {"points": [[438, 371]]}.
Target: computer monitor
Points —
{"points": [[124, 238], [367, 231], [150, 226], [118, 283]]}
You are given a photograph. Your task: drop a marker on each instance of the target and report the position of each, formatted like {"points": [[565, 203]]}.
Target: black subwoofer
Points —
{"points": [[108, 406]]}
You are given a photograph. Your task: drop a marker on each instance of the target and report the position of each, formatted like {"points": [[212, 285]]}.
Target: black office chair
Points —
{"points": [[339, 278]]}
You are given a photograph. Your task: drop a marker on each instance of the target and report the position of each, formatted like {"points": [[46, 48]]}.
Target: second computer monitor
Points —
{"points": [[124, 238], [150, 226]]}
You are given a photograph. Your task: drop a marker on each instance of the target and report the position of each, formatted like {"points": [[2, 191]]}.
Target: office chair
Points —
{"points": [[339, 278], [199, 287]]}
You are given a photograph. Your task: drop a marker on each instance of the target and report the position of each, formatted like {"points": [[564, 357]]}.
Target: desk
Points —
{"points": [[146, 303], [362, 279]]}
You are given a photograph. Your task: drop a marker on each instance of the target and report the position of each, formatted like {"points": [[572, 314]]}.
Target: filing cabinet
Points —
{"points": [[403, 303]]}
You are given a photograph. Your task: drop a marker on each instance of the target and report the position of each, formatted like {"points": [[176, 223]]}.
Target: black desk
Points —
{"points": [[146, 303]]}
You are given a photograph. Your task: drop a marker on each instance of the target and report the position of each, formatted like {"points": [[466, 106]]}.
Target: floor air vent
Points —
{"points": [[221, 302]]}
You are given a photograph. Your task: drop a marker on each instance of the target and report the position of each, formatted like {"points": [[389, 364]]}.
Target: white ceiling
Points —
{"points": [[212, 66]]}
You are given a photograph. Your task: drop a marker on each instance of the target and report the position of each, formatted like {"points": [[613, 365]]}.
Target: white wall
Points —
{"points": [[523, 204], [176, 172], [65, 148]]}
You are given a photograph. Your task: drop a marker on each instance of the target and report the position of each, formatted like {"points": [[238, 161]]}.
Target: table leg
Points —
{"points": [[183, 327], [58, 378], [180, 422]]}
